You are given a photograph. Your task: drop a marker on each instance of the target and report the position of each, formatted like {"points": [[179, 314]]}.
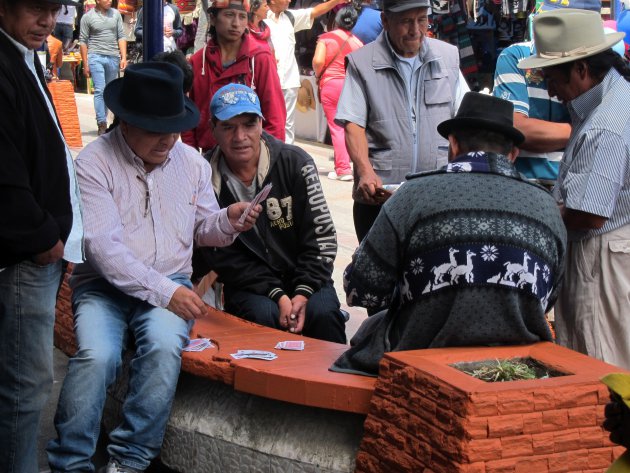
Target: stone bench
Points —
{"points": [[420, 415]]}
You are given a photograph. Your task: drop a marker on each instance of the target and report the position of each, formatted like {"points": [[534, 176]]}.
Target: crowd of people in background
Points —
{"points": [[460, 240]]}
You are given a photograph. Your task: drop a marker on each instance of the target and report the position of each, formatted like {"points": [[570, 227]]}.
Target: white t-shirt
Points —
{"points": [[169, 18], [283, 39]]}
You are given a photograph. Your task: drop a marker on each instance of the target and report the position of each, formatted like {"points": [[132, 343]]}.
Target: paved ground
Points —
{"points": [[340, 203]]}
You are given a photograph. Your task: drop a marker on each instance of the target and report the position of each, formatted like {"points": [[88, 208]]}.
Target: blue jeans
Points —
{"points": [[103, 70], [27, 316], [323, 317], [103, 317]]}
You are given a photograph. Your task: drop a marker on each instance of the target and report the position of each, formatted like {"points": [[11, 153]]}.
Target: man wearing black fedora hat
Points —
{"points": [[470, 254], [593, 188], [147, 199], [40, 223]]}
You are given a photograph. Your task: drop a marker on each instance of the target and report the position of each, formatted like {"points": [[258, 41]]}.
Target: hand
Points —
{"points": [[284, 307], [617, 420], [186, 304], [168, 31], [50, 256], [298, 314], [236, 210], [368, 182], [123, 64], [86, 69]]}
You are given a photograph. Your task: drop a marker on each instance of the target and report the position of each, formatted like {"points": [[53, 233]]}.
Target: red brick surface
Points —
{"points": [[455, 423], [62, 92]]}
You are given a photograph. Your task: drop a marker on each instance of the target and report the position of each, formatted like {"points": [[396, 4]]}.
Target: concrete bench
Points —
{"points": [[293, 415]]}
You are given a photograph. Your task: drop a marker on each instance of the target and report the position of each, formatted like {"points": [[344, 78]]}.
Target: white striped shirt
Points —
{"points": [[595, 170], [139, 226]]}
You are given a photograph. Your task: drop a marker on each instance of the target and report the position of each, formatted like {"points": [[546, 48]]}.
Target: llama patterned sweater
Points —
{"points": [[471, 254]]}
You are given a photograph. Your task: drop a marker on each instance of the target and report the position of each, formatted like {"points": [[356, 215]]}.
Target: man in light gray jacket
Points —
{"points": [[398, 88]]}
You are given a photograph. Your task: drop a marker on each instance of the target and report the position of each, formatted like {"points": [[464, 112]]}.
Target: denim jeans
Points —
{"points": [[323, 317], [103, 317], [103, 70], [27, 316]]}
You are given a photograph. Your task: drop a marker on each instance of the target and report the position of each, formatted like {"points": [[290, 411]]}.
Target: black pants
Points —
{"points": [[364, 216]]}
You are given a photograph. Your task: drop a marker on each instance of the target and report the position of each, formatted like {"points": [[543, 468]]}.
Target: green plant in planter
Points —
{"points": [[504, 370]]}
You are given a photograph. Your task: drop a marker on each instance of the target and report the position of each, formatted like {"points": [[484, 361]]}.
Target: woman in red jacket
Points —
{"points": [[231, 56]]}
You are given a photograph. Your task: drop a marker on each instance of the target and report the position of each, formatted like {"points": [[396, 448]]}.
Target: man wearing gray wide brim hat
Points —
{"points": [[397, 89], [593, 187], [40, 223]]}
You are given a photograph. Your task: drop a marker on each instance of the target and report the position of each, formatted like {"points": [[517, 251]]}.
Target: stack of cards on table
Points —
{"points": [[256, 354], [198, 344], [297, 345]]}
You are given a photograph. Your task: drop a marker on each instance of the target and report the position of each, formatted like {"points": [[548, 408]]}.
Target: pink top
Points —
{"points": [[333, 41]]}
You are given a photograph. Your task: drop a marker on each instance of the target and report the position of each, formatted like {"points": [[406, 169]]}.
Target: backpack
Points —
{"points": [[290, 16]]}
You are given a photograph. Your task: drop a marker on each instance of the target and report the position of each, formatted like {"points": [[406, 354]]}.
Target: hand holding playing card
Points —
{"points": [[238, 210]]}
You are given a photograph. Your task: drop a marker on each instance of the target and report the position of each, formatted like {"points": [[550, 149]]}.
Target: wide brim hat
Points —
{"points": [[566, 35], [150, 96], [486, 112], [305, 96]]}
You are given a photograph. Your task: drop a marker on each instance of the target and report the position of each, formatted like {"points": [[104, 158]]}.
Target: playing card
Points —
{"points": [[254, 354], [297, 345], [198, 344], [262, 195]]}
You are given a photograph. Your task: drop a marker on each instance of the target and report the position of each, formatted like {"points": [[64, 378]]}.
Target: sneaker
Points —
{"points": [[102, 128], [340, 177], [114, 467]]}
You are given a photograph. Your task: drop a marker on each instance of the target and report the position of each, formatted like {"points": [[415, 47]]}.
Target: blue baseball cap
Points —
{"points": [[232, 100]]}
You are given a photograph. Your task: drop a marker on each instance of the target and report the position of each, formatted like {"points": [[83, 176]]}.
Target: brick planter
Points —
{"points": [[427, 416]]}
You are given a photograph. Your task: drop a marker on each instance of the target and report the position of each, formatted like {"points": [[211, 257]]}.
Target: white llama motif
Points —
{"points": [[404, 290], [494, 279], [460, 167], [440, 271], [529, 278], [514, 268], [465, 270]]}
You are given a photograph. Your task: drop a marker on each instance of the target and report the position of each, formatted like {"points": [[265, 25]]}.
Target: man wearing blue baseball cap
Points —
{"points": [[40, 224], [279, 273]]}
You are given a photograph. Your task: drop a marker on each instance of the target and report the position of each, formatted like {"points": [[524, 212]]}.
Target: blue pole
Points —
{"points": [[153, 28]]}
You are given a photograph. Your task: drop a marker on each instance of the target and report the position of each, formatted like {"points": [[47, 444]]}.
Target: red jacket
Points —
{"points": [[210, 76]]}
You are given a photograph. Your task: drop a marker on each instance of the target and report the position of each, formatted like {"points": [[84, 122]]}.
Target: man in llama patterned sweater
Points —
{"points": [[470, 254]]}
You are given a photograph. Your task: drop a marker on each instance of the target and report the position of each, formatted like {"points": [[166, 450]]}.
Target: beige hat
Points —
{"points": [[306, 96], [567, 35]]}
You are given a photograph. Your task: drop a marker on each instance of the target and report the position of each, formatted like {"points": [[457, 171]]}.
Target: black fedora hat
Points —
{"points": [[485, 112], [150, 97], [70, 3]]}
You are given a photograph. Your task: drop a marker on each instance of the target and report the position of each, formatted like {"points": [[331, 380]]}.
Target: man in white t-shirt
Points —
{"points": [[283, 24]]}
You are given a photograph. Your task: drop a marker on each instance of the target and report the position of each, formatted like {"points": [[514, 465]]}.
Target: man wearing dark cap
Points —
{"points": [[593, 189], [148, 199], [397, 89], [470, 254], [40, 223]]}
